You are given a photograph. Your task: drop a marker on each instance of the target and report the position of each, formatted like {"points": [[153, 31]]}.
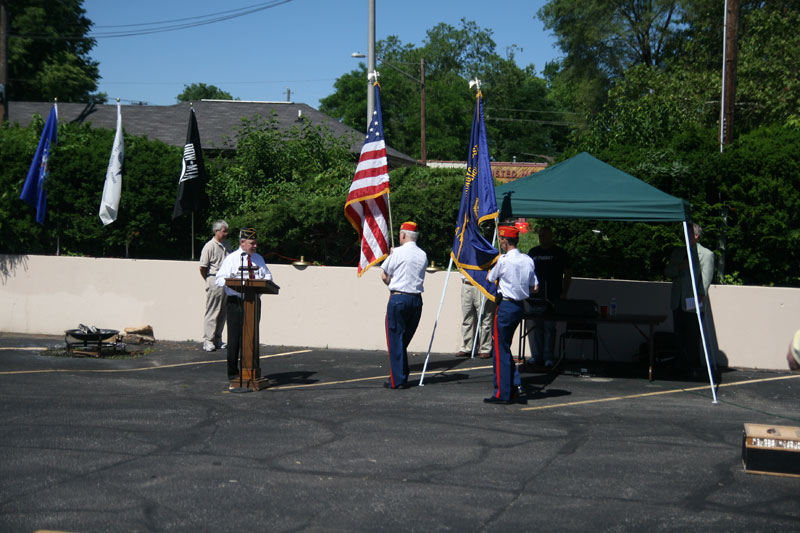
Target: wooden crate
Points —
{"points": [[773, 450]]}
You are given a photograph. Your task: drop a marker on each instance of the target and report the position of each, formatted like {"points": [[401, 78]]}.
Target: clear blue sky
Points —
{"points": [[303, 45]]}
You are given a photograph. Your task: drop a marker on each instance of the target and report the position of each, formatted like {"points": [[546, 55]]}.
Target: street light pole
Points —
{"points": [[370, 62]]}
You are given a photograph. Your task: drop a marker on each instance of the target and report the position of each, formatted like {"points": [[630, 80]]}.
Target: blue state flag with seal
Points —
{"points": [[472, 253], [34, 191]]}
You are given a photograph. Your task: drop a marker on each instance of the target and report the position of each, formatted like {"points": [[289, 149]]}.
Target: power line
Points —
{"points": [[160, 22], [547, 122], [535, 111], [184, 23]]}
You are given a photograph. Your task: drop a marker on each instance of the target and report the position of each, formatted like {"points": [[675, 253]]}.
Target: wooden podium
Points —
{"points": [[251, 289]]}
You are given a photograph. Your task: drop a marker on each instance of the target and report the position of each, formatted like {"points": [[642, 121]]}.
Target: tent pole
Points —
{"points": [[433, 333], [691, 254]]}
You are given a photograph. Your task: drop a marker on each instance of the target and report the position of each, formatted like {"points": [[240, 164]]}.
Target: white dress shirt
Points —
{"points": [[406, 266], [230, 269], [516, 273]]}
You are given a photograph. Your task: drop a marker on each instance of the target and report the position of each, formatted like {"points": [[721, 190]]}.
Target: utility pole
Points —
{"points": [[729, 55], [726, 112], [5, 25]]}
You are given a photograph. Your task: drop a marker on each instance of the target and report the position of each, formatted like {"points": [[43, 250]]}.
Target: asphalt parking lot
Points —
{"points": [[158, 443]]}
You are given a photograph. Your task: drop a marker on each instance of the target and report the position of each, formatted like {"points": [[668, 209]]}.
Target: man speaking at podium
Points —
{"points": [[243, 262]]}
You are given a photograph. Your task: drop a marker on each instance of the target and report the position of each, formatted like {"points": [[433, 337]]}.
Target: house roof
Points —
{"points": [[217, 120]]}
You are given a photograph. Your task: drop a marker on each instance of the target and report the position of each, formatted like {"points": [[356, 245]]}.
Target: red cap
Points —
{"points": [[409, 226], [509, 231]]}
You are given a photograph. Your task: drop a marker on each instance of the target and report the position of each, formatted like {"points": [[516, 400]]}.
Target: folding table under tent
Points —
{"points": [[587, 188]]}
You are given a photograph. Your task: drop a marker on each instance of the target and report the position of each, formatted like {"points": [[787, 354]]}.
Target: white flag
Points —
{"points": [[113, 185]]}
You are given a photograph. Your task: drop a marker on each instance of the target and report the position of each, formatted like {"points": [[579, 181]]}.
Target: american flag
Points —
{"points": [[367, 207]]}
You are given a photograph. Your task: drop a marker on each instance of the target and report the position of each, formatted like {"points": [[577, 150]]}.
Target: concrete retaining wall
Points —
{"points": [[331, 307]]}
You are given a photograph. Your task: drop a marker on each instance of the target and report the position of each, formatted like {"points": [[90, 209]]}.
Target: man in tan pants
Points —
{"points": [[472, 318], [214, 252]]}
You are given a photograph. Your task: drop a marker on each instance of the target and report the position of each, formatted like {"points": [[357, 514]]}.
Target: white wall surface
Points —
{"points": [[331, 307]]}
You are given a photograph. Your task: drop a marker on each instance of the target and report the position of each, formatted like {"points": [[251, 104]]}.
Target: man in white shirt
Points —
{"points": [[243, 262], [516, 277], [211, 257], [404, 274]]}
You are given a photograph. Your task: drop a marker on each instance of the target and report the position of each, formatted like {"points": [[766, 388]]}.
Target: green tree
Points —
{"points": [[453, 56], [201, 91], [648, 106], [768, 88], [49, 52], [144, 227], [601, 40], [764, 197], [291, 186]]}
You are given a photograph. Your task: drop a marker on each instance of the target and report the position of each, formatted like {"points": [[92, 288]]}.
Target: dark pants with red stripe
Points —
{"points": [[506, 378], [402, 318]]}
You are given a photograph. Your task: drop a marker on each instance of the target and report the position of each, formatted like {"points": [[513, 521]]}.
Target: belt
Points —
{"points": [[400, 292]]}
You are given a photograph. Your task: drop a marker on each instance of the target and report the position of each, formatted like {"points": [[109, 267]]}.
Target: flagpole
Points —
{"points": [[389, 205], [483, 304], [433, 333], [191, 231]]}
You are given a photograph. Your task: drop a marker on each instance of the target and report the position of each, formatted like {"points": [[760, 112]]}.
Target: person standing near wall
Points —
{"points": [[684, 316], [516, 277], [793, 355], [211, 257], [472, 319], [243, 262], [404, 274], [555, 275]]}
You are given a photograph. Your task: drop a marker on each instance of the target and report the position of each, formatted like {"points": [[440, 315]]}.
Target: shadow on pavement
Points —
{"points": [[292, 378]]}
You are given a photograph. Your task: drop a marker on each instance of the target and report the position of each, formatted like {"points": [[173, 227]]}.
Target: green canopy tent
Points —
{"points": [[585, 187]]}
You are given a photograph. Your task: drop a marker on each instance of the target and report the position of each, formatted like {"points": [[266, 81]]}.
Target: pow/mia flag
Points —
{"points": [[191, 184]]}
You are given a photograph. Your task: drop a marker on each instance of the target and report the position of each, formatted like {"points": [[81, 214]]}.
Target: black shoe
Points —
{"points": [[517, 392], [388, 385], [492, 399]]}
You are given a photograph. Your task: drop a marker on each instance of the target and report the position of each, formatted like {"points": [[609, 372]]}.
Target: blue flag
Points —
{"points": [[472, 253], [34, 191]]}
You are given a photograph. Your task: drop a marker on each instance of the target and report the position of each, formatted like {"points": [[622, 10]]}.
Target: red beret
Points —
{"points": [[509, 231], [409, 226]]}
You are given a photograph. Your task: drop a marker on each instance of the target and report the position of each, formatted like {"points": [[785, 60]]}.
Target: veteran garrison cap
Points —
{"points": [[508, 231], [248, 233]]}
